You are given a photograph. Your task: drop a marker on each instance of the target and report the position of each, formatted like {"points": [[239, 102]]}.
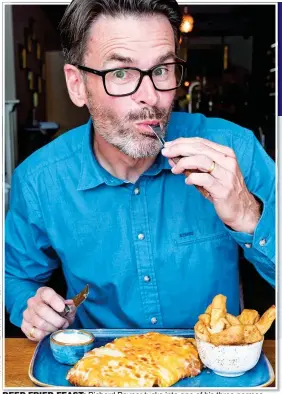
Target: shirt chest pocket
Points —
{"points": [[193, 249]]}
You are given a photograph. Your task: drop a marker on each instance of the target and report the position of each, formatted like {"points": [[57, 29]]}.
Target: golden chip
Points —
{"points": [[202, 332], [205, 318], [233, 320], [249, 316], [218, 309], [251, 334], [233, 335], [266, 320]]}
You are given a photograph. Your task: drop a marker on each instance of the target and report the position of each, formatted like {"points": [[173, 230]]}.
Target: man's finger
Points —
{"points": [[49, 315], [226, 150], [37, 321], [33, 333], [50, 297], [208, 182], [202, 163], [186, 150]]}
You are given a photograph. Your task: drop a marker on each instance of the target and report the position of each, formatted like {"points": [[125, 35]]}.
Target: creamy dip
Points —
{"points": [[71, 337]]}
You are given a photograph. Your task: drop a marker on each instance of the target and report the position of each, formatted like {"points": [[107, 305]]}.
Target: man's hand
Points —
{"points": [[42, 314], [220, 176]]}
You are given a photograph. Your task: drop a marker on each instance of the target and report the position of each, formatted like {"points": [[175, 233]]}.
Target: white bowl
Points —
{"points": [[229, 361]]}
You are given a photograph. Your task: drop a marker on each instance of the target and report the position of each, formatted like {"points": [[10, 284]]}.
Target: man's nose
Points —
{"points": [[146, 93]]}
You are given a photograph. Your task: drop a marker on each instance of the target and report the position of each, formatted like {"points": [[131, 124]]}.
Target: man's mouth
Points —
{"points": [[145, 127]]}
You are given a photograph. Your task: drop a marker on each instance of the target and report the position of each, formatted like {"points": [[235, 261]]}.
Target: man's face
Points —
{"points": [[129, 41]]}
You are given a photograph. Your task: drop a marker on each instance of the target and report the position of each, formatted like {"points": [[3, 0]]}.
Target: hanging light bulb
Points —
{"points": [[187, 23]]}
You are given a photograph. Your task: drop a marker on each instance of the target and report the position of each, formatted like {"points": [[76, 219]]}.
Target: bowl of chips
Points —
{"points": [[231, 345], [229, 361]]}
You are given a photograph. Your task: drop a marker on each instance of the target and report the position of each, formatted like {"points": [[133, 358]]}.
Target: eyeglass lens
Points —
{"points": [[124, 81]]}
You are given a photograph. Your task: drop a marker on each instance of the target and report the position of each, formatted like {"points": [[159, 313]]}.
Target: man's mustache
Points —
{"points": [[153, 113]]}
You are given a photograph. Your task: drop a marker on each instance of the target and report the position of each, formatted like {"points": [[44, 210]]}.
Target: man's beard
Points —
{"points": [[128, 140]]}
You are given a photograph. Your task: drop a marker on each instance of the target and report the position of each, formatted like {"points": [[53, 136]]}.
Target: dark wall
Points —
{"points": [[47, 36]]}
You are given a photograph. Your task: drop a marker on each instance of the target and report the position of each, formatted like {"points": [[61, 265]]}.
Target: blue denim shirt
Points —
{"points": [[154, 253]]}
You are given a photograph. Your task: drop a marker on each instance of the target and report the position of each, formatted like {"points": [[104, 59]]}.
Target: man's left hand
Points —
{"points": [[220, 175]]}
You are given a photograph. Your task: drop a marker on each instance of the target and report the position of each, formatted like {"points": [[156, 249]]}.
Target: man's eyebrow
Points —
{"points": [[128, 60], [118, 58], [169, 55]]}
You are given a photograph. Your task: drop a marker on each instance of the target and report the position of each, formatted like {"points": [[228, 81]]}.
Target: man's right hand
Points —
{"points": [[42, 314]]}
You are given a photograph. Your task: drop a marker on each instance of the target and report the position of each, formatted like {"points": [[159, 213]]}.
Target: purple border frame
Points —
{"points": [[279, 66]]}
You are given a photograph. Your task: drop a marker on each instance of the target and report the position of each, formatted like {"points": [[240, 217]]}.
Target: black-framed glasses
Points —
{"points": [[124, 81]]}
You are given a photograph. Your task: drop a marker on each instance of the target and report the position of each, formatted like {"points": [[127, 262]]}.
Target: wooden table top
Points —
{"points": [[19, 351]]}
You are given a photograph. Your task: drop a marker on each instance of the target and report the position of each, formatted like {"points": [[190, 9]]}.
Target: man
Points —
{"points": [[105, 203]]}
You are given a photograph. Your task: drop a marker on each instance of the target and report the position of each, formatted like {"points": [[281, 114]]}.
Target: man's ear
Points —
{"points": [[75, 85]]}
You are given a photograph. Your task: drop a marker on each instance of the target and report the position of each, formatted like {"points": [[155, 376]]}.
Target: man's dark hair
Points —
{"points": [[80, 14]]}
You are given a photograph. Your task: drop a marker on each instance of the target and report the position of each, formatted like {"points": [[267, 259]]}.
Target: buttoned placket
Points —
{"points": [[144, 256]]}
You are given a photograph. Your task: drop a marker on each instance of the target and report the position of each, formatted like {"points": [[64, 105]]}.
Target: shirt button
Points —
{"points": [[141, 236], [154, 320], [262, 242], [136, 191], [147, 278], [248, 246]]}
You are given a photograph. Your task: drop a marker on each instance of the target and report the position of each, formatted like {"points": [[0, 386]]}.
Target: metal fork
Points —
{"points": [[158, 132]]}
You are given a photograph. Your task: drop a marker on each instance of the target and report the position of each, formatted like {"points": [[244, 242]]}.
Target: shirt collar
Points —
{"points": [[92, 174]]}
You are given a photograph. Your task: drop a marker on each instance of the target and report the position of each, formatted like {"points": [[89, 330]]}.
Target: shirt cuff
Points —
{"points": [[263, 239]]}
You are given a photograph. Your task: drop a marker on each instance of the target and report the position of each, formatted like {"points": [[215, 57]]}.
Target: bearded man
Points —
{"points": [[110, 206]]}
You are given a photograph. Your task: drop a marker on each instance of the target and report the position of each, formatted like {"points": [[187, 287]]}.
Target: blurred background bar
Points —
{"points": [[231, 53]]}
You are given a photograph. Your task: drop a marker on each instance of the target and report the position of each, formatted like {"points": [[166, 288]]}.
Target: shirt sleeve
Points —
{"points": [[29, 257], [259, 173]]}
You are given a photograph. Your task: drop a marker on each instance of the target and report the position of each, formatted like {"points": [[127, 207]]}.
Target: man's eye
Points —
{"points": [[160, 71], [120, 74]]}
